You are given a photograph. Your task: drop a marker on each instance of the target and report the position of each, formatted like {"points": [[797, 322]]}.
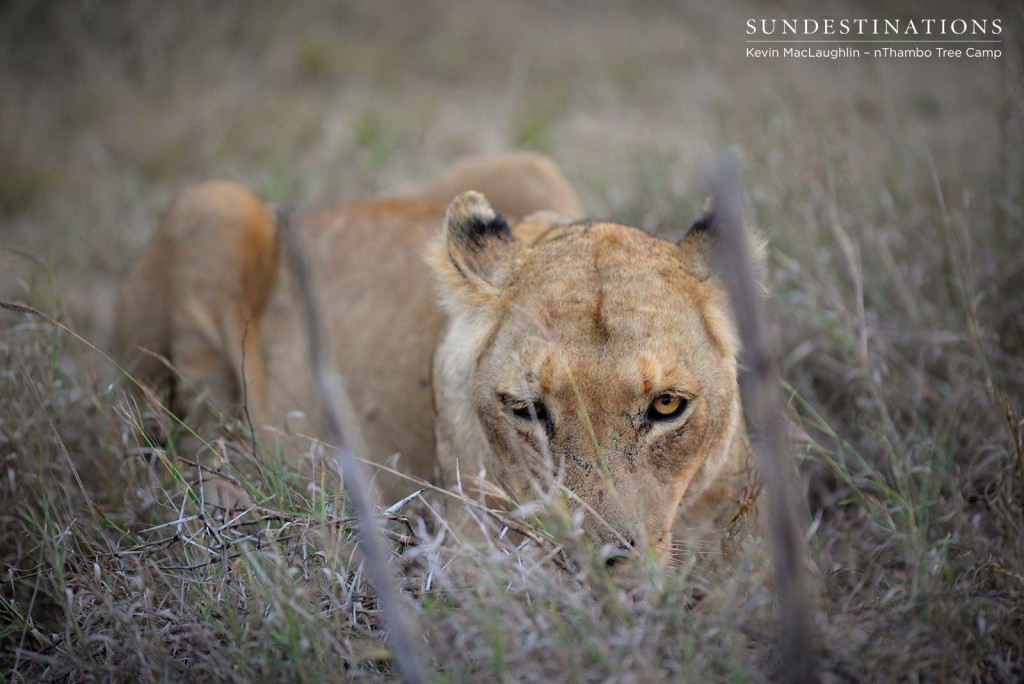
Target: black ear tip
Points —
{"points": [[472, 220], [704, 224]]}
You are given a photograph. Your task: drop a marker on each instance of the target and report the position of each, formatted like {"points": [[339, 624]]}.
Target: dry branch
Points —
{"points": [[761, 407], [342, 432]]}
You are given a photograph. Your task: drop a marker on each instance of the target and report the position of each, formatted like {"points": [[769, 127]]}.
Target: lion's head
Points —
{"points": [[588, 356]]}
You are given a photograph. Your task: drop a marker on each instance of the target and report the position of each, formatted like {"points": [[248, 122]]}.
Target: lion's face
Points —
{"points": [[603, 365]]}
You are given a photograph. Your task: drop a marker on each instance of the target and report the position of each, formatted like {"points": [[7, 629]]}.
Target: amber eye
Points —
{"points": [[666, 407], [527, 410]]}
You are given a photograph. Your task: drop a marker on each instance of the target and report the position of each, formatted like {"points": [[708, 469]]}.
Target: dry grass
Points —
{"points": [[892, 194]]}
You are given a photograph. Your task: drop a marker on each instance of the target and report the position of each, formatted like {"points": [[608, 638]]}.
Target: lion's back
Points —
{"points": [[379, 305]]}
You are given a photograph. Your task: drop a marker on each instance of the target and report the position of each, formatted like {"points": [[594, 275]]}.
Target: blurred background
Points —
{"points": [[110, 108]]}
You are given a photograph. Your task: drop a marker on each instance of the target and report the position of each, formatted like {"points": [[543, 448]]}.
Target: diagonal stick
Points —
{"points": [[760, 393], [342, 430]]}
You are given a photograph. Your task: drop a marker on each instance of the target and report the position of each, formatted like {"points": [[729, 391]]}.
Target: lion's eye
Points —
{"points": [[528, 410], [666, 407]]}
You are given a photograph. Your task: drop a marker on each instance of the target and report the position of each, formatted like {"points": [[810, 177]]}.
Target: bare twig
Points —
{"points": [[761, 405], [343, 433], [18, 307]]}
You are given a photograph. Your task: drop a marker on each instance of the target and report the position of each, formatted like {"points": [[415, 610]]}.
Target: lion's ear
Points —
{"points": [[698, 247], [475, 254]]}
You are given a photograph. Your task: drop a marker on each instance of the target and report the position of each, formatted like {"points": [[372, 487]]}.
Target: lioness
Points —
{"points": [[588, 353]]}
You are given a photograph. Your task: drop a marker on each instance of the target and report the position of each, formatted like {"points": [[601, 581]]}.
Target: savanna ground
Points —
{"points": [[891, 193]]}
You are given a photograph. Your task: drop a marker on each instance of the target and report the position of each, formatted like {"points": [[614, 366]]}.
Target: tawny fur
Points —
{"points": [[595, 318], [515, 183]]}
